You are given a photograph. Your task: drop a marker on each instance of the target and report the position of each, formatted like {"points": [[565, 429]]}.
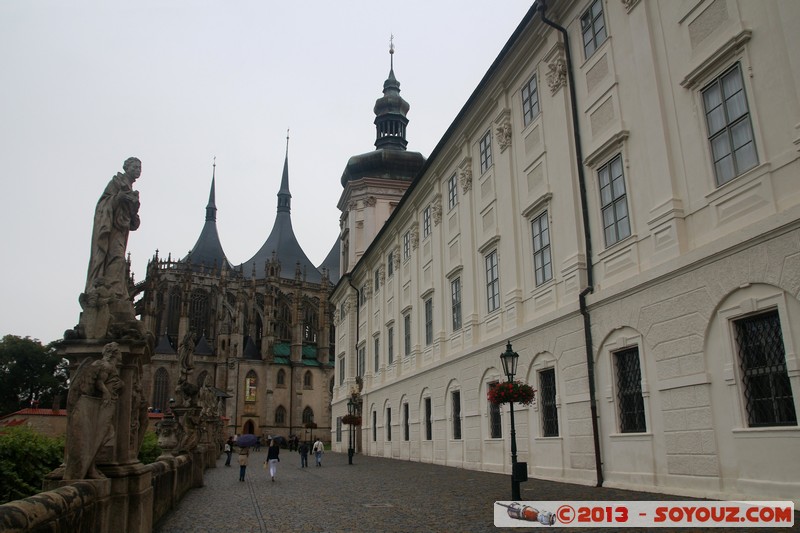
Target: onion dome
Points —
{"points": [[207, 251]]}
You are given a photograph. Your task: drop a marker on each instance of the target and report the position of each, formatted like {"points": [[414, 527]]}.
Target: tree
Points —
{"points": [[30, 374], [26, 457]]}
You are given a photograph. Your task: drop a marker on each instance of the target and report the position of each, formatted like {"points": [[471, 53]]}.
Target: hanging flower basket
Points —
{"points": [[515, 391], [351, 420]]}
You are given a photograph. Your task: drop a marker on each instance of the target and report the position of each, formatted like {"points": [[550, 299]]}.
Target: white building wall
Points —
{"points": [[699, 256]]}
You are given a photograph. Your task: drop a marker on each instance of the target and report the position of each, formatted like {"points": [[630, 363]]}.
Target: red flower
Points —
{"points": [[351, 420], [507, 392]]}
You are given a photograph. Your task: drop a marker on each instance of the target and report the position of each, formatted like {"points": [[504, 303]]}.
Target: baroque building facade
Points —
{"points": [[619, 199], [260, 332]]}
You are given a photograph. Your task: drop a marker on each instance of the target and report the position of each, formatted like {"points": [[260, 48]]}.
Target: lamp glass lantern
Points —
{"points": [[509, 359], [351, 406]]}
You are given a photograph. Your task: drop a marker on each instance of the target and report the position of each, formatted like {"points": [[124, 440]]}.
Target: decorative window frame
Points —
{"points": [[621, 340]]}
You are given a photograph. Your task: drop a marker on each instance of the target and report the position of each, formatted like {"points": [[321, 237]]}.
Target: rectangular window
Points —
{"points": [[390, 265], [341, 371], [495, 429], [485, 146], [456, 396], [338, 429], [542, 265], [593, 28], [428, 321], [388, 423], [377, 281], [729, 130], [406, 432], [455, 298], [406, 245], [492, 282], [547, 386], [452, 192], [374, 426], [362, 360], [614, 201], [390, 344], [530, 101], [362, 296], [426, 222], [765, 380], [407, 335], [629, 391], [428, 419], [377, 354]]}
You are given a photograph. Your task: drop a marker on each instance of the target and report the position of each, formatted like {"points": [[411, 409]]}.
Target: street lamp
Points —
{"points": [[351, 410], [509, 359]]}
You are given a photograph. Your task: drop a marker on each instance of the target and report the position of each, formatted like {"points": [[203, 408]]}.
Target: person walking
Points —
{"points": [[244, 454], [318, 449], [303, 449], [272, 458], [229, 451]]}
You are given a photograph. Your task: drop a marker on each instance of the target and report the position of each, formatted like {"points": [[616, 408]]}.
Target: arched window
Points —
{"points": [[250, 386], [310, 323], [174, 315], [308, 415], [282, 321], [161, 389], [280, 416], [198, 313], [281, 378], [308, 380]]}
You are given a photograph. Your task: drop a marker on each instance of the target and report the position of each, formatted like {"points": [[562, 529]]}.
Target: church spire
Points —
{"points": [[390, 111], [211, 208], [284, 196]]}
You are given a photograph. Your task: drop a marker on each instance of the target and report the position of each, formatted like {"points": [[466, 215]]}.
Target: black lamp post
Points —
{"points": [[351, 410], [509, 359]]}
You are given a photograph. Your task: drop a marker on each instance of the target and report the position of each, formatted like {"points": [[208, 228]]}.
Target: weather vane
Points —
{"points": [[391, 51]]}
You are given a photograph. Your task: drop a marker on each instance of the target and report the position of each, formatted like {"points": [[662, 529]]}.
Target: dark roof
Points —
{"points": [[207, 250], [331, 262], [203, 348], [250, 349], [282, 243], [164, 346]]}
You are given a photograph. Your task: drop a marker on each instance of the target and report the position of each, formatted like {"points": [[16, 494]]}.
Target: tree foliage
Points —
{"points": [[30, 374], [25, 458], [149, 451]]}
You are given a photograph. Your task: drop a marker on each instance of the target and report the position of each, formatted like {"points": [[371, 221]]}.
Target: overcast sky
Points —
{"points": [[87, 84]]}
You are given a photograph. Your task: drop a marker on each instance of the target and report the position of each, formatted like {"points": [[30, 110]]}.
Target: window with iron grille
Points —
{"points": [[338, 429], [730, 132], [495, 429], [406, 245], [629, 391], [390, 265], [407, 335], [492, 282], [456, 396], [406, 432], [428, 419], [767, 390], [388, 423], [377, 347], [593, 28], [428, 321], [374, 426], [542, 265], [362, 361], [547, 399], [455, 293], [485, 146], [614, 201], [390, 344], [452, 192], [426, 222], [530, 101]]}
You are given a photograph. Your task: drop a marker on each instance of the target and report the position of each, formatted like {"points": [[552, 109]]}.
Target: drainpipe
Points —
{"points": [[587, 322], [355, 346]]}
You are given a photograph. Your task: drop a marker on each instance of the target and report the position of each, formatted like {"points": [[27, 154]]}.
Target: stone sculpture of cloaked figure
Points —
{"points": [[91, 404], [116, 215], [208, 400], [185, 388]]}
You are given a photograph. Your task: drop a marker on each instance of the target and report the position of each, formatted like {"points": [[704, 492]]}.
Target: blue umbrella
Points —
{"points": [[245, 441]]}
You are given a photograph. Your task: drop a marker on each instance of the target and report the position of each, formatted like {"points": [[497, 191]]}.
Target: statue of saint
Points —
{"points": [[105, 300], [208, 400], [91, 405]]}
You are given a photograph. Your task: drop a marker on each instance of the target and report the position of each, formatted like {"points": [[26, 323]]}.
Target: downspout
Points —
{"points": [[587, 323], [355, 346]]}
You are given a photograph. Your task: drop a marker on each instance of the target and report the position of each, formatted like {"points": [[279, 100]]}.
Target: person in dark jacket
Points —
{"points": [[229, 451], [303, 449], [272, 458]]}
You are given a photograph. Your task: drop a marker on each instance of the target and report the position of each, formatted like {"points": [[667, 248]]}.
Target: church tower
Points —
{"points": [[375, 181]]}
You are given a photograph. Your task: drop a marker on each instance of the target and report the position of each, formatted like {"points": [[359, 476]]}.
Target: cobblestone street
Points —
{"points": [[372, 495]]}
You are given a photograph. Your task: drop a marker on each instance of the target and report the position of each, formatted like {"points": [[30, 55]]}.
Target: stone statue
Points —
{"points": [[185, 388], [208, 400], [107, 308], [91, 405]]}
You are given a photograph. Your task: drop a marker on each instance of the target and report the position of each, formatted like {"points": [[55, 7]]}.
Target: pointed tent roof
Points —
{"points": [[282, 241], [164, 347], [331, 263], [207, 250]]}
